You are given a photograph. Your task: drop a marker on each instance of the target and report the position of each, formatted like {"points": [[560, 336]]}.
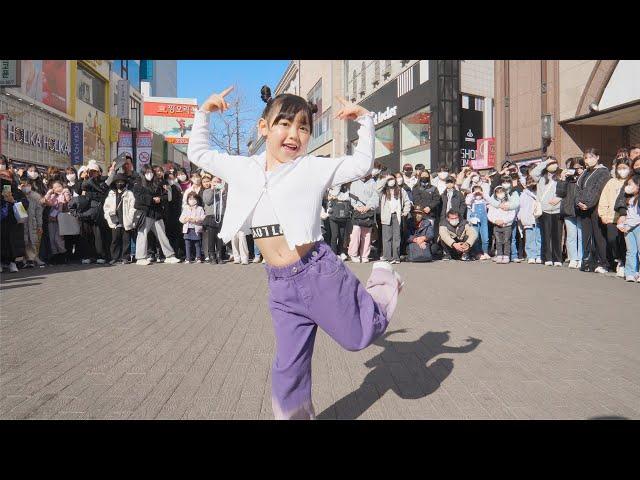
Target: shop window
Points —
{"points": [[384, 141], [91, 89], [376, 73], [363, 79], [387, 69], [415, 137]]}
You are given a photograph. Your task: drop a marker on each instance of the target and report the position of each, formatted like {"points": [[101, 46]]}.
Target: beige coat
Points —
{"points": [[608, 200]]}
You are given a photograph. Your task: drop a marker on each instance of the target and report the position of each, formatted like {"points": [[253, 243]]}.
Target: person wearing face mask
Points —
{"points": [[456, 236], [364, 201], [172, 211], [426, 195], [339, 211], [119, 208], [629, 224], [183, 180], [473, 179], [528, 219], [57, 198], [616, 250], [547, 175], [394, 206], [215, 203], [33, 175], [150, 196], [11, 229], [421, 236], [196, 187], [440, 181], [33, 226], [477, 216], [566, 190], [452, 199], [404, 224], [408, 178], [192, 218], [589, 187], [502, 219]]}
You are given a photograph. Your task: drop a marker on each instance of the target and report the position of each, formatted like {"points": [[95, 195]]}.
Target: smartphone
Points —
{"points": [[6, 188], [570, 171]]}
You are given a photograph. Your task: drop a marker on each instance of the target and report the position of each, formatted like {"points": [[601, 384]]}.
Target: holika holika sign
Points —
{"points": [[36, 139]]}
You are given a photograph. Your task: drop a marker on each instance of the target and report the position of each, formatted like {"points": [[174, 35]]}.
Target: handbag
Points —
{"points": [[68, 224], [417, 254], [20, 213], [366, 219], [340, 210], [139, 218]]}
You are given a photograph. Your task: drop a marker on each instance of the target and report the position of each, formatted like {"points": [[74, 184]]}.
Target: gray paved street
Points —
{"points": [[196, 342]]}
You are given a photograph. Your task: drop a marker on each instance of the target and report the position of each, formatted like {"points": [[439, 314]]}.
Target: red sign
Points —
{"points": [[485, 154], [156, 109]]}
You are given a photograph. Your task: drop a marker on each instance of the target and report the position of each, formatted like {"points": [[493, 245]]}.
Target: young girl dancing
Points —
{"points": [[278, 196]]}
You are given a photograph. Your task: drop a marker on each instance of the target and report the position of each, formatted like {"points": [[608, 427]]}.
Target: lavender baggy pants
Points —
{"points": [[319, 290]]}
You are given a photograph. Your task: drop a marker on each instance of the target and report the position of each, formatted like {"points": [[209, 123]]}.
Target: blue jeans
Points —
{"points": [[482, 228], [514, 233], [256, 250], [533, 242], [632, 239], [574, 238]]}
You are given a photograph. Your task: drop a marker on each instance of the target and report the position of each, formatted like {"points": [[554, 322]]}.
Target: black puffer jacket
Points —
{"points": [[427, 197], [144, 191], [590, 185], [566, 190]]}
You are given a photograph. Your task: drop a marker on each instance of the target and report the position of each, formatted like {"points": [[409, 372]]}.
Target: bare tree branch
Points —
{"points": [[234, 128]]}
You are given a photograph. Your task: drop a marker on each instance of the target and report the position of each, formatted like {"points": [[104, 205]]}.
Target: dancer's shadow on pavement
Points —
{"points": [[402, 368]]}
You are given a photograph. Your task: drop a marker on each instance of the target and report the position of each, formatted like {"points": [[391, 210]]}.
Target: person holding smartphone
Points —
{"points": [[566, 191]]}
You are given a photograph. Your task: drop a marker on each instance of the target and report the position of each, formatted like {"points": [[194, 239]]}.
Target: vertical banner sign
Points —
{"points": [[123, 99], [9, 73], [471, 127], [77, 143], [144, 144], [125, 143], [485, 154]]}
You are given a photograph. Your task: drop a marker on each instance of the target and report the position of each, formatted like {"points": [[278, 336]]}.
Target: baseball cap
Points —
{"points": [[420, 166]]}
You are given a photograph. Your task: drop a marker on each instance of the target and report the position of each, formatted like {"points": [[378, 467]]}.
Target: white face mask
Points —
{"points": [[454, 223], [71, 177], [630, 190], [591, 161], [32, 175], [192, 202], [500, 196], [182, 178], [219, 186], [623, 172], [506, 186], [443, 175], [148, 176], [391, 183]]}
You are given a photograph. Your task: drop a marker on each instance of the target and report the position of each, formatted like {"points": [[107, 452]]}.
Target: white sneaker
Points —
{"points": [[355, 259], [383, 259], [101, 261], [548, 264], [578, 263], [630, 278], [143, 261], [206, 259], [172, 259], [237, 262], [257, 259], [620, 271], [13, 268], [497, 258], [394, 262], [245, 262], [343, 257], [517, 260], [573, 264], [485, 256], [531, 260], [187, 262], [557, 264], [538, 261], [365, 260], [86, 261], [601, 270]]}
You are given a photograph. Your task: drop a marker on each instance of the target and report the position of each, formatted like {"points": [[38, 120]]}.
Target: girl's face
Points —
{"points": [[287, 139], [57, 188], [206, 182]]}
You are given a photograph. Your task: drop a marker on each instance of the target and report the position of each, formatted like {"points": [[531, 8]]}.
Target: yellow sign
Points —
{"points": [[114, 128]]}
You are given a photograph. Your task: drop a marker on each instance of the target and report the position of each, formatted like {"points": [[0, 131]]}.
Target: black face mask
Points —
{"points": [[121, 185], [424, 183]]}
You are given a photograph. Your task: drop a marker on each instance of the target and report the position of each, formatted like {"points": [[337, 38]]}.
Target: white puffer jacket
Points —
{"points": [[128, 209]]}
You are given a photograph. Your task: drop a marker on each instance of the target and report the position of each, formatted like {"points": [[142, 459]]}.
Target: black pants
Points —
{"points": [[551, 232], [503, 240], [594, 246], [120, 244], [216, 246], [69, 242], [616, 246], [338, 232], [450, 252]]}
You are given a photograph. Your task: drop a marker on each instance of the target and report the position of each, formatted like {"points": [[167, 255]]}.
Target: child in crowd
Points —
{"points": [[192, 217], [502, 220]]}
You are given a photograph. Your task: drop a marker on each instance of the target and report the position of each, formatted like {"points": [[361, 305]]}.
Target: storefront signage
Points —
{"points": [[77, 143], [471, 125], [144, 144], [9, 73], [36, 139], [485, 154], [123, 99], [380, 117]]}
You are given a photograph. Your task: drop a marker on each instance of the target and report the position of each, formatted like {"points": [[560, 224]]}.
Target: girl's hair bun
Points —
{"points": [[265, 94]]}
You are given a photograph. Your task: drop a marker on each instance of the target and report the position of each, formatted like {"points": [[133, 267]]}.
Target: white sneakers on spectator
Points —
{"points": [[142, 261], [257, 259], [172, 259], [485, 256], [548, 264], [393, 262], [573, 264], [557, 264], [343, 257], [365, 260], [601, 270], [355, 259], [620, 271], [101, 261], [538, 261], [13, 268], [86, 261], [531, 261], [631, 278], [517, 260]]}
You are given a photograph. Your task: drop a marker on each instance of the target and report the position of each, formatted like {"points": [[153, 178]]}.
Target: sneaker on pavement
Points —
{"points": [[365, 260], [572, 264], [199, 260], [538, 261], [143, 261], [237, 262], [630, 278], [516, 260], [86, 261], [257, 259], [557, 264], [101, 261], [485, 256], [187, 262], [172, 259], [13, 268], [355, 259], [394, 262], [246, 262], [548, 264], [531, 260], [465, 257], [343, 257], [620, 271], [601, 270], [383, 259], [506, 259]]}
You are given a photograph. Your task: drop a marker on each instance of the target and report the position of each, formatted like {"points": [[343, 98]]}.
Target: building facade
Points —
{"points": [[563, 107]]}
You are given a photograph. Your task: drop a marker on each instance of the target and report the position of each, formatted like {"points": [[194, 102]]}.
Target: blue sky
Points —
{"points": [[200, 78]]}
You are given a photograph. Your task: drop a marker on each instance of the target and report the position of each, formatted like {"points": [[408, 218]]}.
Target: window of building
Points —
{"points": [[387, 69], [385, 140], [363, 79], [354, 86], [415, 137], [91, 89], [134, 74], [315, 96], [376, 73]]}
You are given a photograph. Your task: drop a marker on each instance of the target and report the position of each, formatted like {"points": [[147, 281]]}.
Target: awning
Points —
{"points": [[618, 116]]}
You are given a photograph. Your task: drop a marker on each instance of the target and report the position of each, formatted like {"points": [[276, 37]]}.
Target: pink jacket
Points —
{"points": [[58, 202], [196, 212]]}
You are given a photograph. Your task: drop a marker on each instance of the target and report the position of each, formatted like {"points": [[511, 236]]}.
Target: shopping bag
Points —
{"points": [[20, 213], [68, 224]]}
